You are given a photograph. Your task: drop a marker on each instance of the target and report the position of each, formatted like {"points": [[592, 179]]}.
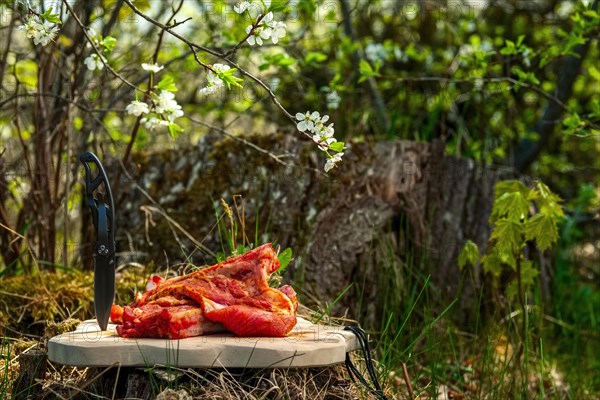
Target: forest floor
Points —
{"points": [[442, 361]]}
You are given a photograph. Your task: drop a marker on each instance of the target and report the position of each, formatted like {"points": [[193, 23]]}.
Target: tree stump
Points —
{"points": [[32, 367], [402, 195]]}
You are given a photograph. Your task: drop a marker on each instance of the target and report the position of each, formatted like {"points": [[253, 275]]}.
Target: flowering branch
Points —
{"points": [[169, 28], [241, 43], [263, 28], [95, 47]]}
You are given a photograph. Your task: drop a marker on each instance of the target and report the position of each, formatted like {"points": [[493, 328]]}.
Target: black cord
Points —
{"points": [[355, 375]]}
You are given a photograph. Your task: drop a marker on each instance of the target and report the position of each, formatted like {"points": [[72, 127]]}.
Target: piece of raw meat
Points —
{"points": [[233, 295]]}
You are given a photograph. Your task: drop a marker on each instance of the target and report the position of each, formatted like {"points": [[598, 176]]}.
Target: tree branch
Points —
{"points": [[527, 150]]}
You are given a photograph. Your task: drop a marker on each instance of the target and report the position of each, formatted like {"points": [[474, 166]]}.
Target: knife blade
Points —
{"points": [[104, 249]]}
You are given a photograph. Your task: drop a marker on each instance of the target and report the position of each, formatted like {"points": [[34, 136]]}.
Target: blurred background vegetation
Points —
{"points": [[507, 86]]}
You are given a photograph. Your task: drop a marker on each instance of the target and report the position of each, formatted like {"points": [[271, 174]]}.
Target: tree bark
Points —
{"points": [[399, 204]]}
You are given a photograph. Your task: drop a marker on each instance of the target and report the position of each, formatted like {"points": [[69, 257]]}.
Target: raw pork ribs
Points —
{"points": [[233, 295]]}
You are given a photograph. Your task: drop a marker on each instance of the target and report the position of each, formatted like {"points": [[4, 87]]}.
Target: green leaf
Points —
{"points": [[492, 263], [541, 228], [174, 129], [241, 249], [315, 57], [278, 5], [528, 273], [26, 72], [48, 16], [509, 48], [109, 43], [77, 123], [512, 289], [468, 255], [167, 83], [512, 185], [548, 201], [366, 70], [508, 234], [279, 59], [221, 256], [337, 146], [230, 79], [512, 205], [284, 259], [527, 77]]}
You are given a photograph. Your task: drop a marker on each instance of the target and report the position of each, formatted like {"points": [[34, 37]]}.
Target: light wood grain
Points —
{"points": [[307, 345]]}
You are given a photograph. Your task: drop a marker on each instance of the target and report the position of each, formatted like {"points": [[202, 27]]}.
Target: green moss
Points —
{"points": [[29, 304]]}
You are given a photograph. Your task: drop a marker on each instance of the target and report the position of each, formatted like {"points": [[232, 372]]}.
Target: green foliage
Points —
{"points": [[50, 17], [520, 215], [469, 255], [167, 83], [314, 58], [229, 79], [174, 129], [54, 297], [337, 146], [280, 60], [541, 228], [108, 43], [285, 257], [367, 71]]}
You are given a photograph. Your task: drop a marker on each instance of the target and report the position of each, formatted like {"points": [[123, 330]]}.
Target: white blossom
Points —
{"points": [[376, 52], [241, 7], [214, 82], [333, 100], [266, 29], [210, 89], [331, 162], [94, 62], [137, 108], [176, 113], [313, 122], [305, 123], [275, 81], [265, 3], [153, 122], [166, 107], [31, 27], [152, 67], [40, 33], [279, 31], [213, 78], [165, 102], [255, 7]]}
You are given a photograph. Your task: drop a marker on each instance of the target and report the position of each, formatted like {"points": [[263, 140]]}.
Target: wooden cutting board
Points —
{"points": [[307, 345]]}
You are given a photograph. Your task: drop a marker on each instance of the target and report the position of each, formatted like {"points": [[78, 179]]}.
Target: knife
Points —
{"points": [[104, 222]]}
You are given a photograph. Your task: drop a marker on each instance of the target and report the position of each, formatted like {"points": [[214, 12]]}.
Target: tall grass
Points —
{"points": [[494, 358], [5, 358]]}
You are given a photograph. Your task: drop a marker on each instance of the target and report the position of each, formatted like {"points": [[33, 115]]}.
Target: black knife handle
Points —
{"points": [[103, 217], [102, 213]]}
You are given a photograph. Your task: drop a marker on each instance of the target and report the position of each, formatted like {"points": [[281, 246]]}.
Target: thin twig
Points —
{"points": [[242, 140], [138, 120], [411, 394], [31, 251], [179, 227], [194, 46], [241, 42], [482, 80], [98, 52]]}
